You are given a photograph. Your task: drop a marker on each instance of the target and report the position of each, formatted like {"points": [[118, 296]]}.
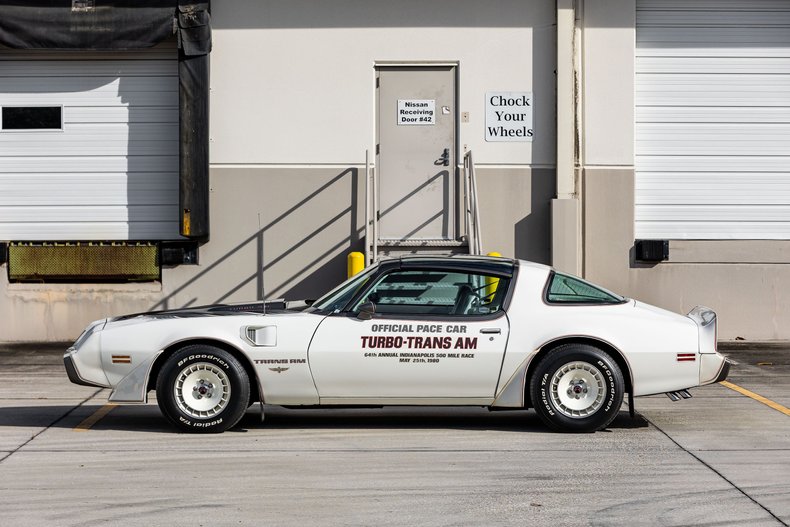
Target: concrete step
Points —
{"points": [[396, 248]]}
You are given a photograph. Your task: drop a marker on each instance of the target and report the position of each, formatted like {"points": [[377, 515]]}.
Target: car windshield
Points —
{"points": [[338, 297]]}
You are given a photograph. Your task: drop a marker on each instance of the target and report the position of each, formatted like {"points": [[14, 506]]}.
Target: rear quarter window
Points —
{"points": [[566, 289]]}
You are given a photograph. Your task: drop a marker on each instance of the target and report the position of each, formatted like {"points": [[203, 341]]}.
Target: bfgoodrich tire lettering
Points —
{"points": [[203, 389], [577, 388]]}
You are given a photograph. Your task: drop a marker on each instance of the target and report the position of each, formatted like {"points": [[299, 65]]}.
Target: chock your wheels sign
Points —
{"points": [[509, 116]]}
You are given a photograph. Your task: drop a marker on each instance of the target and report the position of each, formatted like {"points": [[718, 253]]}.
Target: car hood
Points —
{"points": [[273, 307]]}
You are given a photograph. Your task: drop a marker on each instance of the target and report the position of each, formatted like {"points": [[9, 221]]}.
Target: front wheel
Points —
{"points": [[577, 388], [203, 389]]}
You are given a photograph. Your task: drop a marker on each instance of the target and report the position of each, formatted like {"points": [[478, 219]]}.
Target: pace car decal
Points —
{"points": [[413, 342], [417, 328], [418, 342]]}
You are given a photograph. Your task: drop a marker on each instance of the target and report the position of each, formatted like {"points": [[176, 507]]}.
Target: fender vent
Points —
{"points": [[260, 336]]}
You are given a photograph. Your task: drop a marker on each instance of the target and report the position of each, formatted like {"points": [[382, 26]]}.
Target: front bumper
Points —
{"points": [[71, 371]]}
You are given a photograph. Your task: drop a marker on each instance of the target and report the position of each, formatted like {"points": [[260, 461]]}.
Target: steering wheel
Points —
{"points": [[466, 301]]}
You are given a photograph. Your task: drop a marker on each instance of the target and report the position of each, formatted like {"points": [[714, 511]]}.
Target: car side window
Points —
{"points": [[566, 289], [430, 292]]}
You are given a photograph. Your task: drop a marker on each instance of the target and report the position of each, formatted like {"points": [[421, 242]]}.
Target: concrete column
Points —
{"points": [[566, 235], [565, 209]]}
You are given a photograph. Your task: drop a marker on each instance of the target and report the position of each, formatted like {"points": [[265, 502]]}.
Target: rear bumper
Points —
{"points": [[725, 370], [714, 367]]}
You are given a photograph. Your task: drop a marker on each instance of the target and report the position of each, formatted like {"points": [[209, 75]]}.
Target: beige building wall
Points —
{"points": [[743, 281], [292, 113], [293, 82]]}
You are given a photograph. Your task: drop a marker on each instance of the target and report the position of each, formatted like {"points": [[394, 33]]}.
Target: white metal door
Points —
{"points": [[416, 152], [435, 334], [713, 119], [110, 171], [392, 358]]}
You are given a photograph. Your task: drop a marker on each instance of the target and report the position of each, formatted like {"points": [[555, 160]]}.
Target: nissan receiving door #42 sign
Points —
{"points": [[509, 116], [416, 112]]}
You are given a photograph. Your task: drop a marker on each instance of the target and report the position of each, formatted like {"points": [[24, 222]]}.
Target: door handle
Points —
{"points": [[490, 331]]}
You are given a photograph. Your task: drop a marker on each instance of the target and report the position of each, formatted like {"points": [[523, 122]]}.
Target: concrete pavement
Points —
{"points": [[720, 458]]}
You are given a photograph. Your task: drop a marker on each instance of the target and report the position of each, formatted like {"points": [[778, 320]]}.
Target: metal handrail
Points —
{"points": [[367, 209], [472, 211], [371, 212], [475, 207], [473, 237], [374, 178], [467, 205]]}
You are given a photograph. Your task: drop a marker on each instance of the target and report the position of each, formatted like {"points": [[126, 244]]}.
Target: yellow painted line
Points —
{"points": [[95, 418], [768, 402]]}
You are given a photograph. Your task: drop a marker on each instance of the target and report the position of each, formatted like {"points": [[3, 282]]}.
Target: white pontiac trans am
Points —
{"points": [[474, 331]]}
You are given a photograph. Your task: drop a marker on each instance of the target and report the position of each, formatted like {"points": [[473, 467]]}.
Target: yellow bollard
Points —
{"points": [[356, 262], [491, 284]]}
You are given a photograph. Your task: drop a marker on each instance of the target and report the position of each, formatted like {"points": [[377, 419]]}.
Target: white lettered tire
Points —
{"points": [[203, 389], [577, 388]]}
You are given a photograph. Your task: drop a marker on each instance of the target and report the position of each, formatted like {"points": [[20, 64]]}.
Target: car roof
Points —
{"points": [[437, 257], [494, 265], [472, 258]]}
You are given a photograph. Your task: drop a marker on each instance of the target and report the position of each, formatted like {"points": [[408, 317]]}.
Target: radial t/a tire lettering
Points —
{"points": [[577, 388], [203, 389]]}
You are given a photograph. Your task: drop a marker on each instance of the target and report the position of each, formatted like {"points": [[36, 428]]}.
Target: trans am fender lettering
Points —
{"points": [[280, 361]]}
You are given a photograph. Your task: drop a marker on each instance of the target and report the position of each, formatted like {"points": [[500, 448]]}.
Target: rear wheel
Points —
{"points": [[577, 388], [203, 389]]}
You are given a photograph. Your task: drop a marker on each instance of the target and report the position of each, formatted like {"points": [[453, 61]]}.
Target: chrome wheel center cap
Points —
{"points": [[577, 388], [203, 389]]}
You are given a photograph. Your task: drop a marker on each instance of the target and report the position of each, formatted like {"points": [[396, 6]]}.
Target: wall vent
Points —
{"points": [[83, 262], [651, 250]]}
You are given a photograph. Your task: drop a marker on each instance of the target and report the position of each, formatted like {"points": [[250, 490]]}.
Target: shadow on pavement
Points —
{"points": [[414, 418], [148, 419]]}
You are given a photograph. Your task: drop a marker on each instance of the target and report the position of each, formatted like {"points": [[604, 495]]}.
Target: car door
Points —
{"points": [[437, 335]]}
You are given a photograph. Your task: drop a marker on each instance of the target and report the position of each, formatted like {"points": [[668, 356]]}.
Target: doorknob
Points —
{"points": [[490, 331], [444, 160]]}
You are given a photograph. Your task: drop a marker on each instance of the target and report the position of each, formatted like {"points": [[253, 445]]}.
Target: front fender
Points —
{"points": [[133, 388]]}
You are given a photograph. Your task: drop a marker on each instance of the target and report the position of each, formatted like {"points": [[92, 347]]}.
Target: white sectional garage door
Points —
{"points": [[89, 145], [713, 119]]}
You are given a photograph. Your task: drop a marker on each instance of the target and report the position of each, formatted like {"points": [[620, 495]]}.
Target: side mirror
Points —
{"points": [[366, 311]]}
